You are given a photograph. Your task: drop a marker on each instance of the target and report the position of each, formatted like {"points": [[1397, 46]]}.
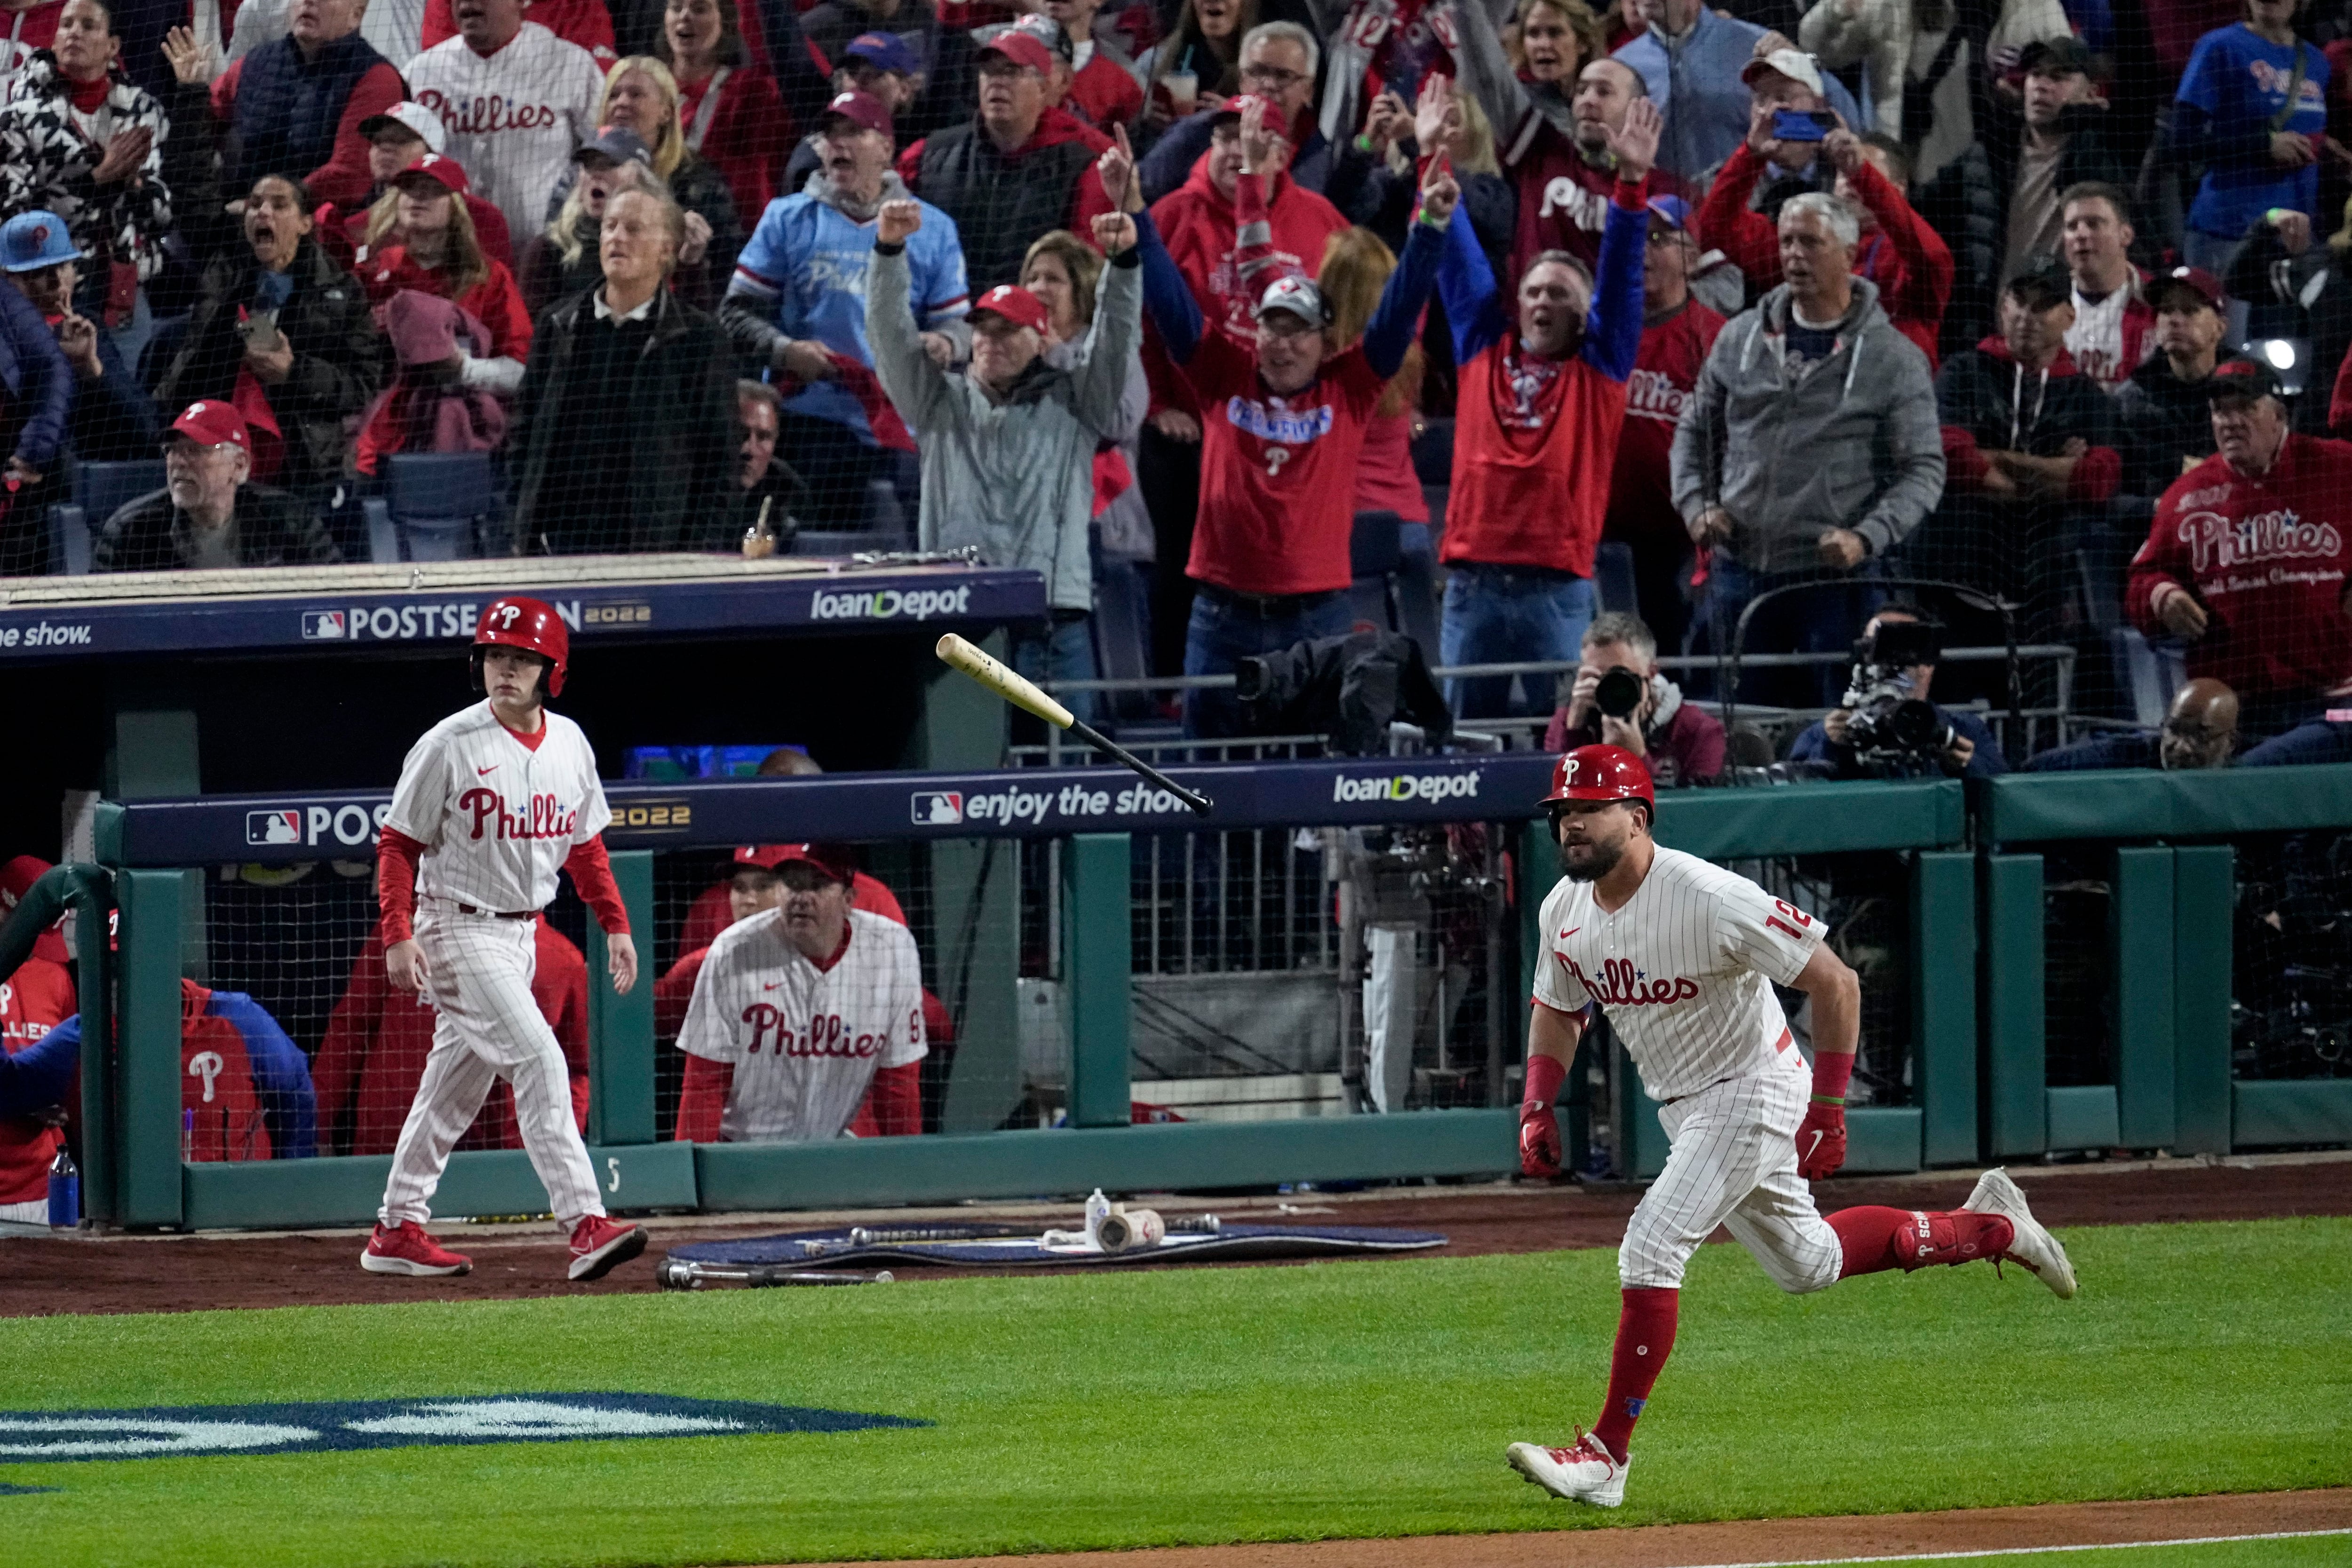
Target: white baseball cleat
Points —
{"points": [[2031, 1247], [1584, 1472]]}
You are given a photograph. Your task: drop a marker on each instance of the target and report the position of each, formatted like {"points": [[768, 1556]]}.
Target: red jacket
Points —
{"points": [[749, 138], [583, 22], [220, 1109], [1198, 226], [496, 302], [33, 1000], [1909, 261], [490, 230], [1665, 372], [367, 1067], [1106, 92], [2266, 557]]}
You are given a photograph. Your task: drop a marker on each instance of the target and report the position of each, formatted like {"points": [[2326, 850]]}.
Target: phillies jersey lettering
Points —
{"points": [[805, 1040], [1652, 396], [496, 817], [1272, 421], [1685, 969], [513, 116], [545, 816], [2225, 542]]}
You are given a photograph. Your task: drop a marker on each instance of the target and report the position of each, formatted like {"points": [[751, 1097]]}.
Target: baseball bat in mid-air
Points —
{"points": [[1023, 693]]}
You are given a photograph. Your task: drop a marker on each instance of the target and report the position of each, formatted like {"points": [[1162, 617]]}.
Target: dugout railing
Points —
{"points": [[1972, 867]]}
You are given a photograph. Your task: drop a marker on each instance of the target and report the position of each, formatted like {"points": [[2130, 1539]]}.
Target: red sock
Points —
{"points": [[1645, 1337], [1877, 1238]]}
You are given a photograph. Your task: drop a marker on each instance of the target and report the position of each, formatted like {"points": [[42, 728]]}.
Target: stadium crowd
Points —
{"points": [[1781, 314]]}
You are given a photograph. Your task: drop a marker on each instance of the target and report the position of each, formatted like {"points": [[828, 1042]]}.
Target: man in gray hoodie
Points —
{"points": [[1808, 450], [1008, 446]]}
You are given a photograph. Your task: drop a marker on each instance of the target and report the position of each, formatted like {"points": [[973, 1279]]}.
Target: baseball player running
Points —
{"points": [[799, 1009], [492, 802], [1684, 955]]}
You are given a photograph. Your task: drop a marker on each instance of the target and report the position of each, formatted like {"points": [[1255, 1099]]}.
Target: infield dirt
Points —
{"points": [[190, 1273]]}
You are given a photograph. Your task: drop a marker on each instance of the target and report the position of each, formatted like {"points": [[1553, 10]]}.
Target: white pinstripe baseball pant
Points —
{"points": [[1734, 1163], [478, 968]]}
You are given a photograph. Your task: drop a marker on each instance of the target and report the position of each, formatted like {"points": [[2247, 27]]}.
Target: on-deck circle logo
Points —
{"points": [[890, 604]]}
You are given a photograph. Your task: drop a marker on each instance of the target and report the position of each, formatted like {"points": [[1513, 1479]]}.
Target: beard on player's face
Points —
{"points": [[1591, 842]]}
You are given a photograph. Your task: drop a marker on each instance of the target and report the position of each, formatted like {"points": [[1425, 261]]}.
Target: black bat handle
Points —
{"points": [[1201, 804]]}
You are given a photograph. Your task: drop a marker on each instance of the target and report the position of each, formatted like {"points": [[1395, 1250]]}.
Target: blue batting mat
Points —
{"points": [[1004, 1246]]}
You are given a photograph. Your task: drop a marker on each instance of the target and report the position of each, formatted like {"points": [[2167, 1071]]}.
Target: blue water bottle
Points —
{"points": [[65, 1192]]}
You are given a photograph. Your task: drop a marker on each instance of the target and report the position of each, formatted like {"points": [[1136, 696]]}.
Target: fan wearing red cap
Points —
{"points": [[801, 1011], [1683, 958], [421, 236], [34, 999], [492, 803], [1019, 167], [1008, 449], [209, 515]]}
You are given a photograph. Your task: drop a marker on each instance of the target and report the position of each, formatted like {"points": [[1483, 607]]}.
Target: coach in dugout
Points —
{"points": [[2247, 559], [799, 1011]]}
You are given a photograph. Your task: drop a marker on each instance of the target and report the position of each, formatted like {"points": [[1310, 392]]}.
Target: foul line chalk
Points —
{"points": [[2028, 1550]]}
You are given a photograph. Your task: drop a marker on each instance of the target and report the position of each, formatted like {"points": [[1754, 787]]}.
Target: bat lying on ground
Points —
{"points": [[1025, 694], [675, 1274]]}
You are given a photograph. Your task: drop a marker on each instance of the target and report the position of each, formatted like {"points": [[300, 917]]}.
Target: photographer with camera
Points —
{"points": [[1886, 728], [1620, 699]]}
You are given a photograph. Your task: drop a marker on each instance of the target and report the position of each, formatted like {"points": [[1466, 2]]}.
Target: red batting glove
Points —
{"points": [[1821, 1138], [1539, 1127], [1820, 1141]]}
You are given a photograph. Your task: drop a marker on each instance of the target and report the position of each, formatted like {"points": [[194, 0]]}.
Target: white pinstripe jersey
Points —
{"points": [[805, 1040], [496, 817], [1684, 971]]}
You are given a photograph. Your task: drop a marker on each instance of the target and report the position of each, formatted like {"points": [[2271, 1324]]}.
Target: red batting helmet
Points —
{"points": [[1602, 773], [531, 625]]}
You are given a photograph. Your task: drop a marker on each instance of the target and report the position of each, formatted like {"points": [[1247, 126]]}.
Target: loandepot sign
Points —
{"points": [[34, 1437]]}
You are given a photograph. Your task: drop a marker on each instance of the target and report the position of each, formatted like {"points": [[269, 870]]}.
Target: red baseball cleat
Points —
{"points": [[599, 1246], [404, 1248]]}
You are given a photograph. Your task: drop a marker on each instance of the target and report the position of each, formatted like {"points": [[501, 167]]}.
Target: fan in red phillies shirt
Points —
{"points": [[1907, 259], [1197, 224], [1283, 429], [2248, 558], [1676, 333]]}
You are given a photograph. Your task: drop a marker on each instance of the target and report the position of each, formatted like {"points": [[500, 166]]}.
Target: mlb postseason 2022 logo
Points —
{"points": [[58, 1437]]}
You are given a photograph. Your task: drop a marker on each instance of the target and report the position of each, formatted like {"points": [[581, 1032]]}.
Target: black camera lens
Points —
{"points": [[1619, 693]]}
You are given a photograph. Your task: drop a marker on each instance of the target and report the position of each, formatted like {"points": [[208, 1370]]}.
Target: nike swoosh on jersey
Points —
{"points": [[772, 984], [1569, 932], [480, 773]]}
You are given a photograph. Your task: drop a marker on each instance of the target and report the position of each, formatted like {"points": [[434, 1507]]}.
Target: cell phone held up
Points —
{"points": [[1803, 124], [261, 330]]}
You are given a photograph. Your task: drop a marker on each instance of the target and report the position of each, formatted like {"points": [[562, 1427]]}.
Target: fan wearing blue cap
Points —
{"points": [[113, 419], [35, 392]]}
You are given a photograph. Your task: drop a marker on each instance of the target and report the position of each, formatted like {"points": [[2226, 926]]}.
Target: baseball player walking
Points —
{"points": [[492, 802], [1684, 955]]}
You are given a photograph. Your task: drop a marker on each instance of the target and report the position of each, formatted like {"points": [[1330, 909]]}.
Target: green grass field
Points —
{"points": [[2311, 1552], [1348, 1399]]}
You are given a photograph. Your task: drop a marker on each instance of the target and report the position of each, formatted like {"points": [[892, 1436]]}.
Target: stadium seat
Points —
{"points": [[433, 508], [2151, 673], [99, 490], [1612, 577], [1122, 651]]}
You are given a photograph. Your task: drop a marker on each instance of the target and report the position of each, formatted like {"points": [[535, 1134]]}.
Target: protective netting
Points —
{"points": [[583, 283]]}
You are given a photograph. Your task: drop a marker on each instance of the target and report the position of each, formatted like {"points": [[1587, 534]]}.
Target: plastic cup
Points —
{"points": [[1184, 89]]}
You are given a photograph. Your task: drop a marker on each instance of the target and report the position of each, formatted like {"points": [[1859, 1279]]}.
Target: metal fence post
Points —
{"points": [[1943, 1003], [2203, 896], [621, 1028], [2141, 930], [1098, 955], [147, 1084], [2016, 1113]]}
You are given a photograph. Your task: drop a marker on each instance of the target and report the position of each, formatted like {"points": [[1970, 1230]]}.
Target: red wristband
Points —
{"points": [[1544, 1075], [1832, 1068]]}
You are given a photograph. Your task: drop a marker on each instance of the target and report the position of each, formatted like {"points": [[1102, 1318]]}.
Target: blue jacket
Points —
{"points": [[281, 1073], [1696, 85], [40, 1075], [39, 382], [1813, 745]]}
